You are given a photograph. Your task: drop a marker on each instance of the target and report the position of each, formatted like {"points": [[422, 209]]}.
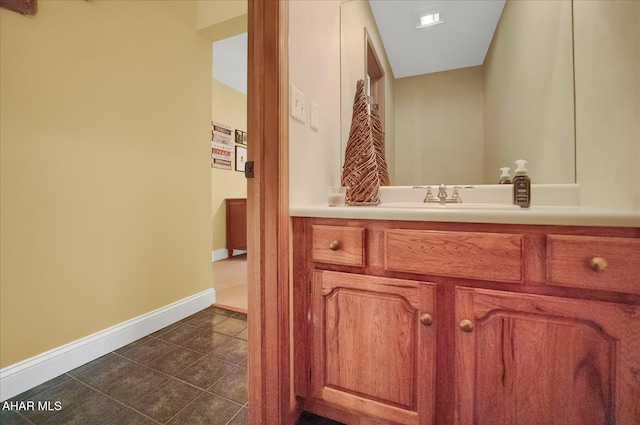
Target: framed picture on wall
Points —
{"points": [[241, 137], [241, 158], [221, 133], [221, 146]]}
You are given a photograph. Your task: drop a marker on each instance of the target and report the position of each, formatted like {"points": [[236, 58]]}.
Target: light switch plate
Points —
{"points": [[314, 116], [297, 104]]}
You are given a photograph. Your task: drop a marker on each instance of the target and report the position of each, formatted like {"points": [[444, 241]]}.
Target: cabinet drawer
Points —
{"points": [[611, 264], [486, 256], [338, 245]]}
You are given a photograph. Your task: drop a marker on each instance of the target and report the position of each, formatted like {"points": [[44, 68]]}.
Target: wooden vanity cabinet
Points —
{"points": [[374, 346], [537, 359], [459, 323]]}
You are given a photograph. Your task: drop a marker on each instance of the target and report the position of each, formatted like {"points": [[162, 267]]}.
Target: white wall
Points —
{"points": [[314, 68]]}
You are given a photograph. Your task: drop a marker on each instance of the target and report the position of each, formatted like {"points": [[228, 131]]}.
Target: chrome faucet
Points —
{"points": [[443, 198], [442, 193], [429, 196]]}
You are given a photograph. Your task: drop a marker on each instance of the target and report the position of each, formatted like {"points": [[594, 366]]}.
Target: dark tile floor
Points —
{"points": [[191, 372]]}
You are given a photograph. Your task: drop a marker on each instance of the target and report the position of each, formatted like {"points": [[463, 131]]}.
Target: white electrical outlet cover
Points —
{"points": [[297, 104]]}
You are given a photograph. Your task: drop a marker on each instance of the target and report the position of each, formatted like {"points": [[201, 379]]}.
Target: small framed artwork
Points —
{"points": [[241, 137], [241, 158], [221, 134]]}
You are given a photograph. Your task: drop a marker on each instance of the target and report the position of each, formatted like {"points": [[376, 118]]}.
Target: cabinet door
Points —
{"points": [[528, 359], [374, 346]]}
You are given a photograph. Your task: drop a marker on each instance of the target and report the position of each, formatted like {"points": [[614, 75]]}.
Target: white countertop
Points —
{"points": [[542, 215]]}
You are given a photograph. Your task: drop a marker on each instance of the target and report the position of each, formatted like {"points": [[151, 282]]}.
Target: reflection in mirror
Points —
{"points": [[460, 124], [374, 77]]}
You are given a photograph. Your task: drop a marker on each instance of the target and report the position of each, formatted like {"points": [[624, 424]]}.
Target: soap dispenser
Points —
{"points": [[505, 177], [521, 185]]}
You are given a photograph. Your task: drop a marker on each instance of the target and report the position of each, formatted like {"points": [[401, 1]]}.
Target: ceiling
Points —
{"points": [[230, 62], [461, 41]]}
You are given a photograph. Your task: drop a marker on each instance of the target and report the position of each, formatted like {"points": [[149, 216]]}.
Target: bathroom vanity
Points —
{"points": [[403, 318], [489, 314]]}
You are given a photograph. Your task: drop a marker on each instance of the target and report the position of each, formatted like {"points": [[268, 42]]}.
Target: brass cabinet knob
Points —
{"points": [[466, 325], [426, 319], [598, 264], [334, 245]]}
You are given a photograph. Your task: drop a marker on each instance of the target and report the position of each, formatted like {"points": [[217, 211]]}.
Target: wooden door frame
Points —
{"points": [[268, 221]]}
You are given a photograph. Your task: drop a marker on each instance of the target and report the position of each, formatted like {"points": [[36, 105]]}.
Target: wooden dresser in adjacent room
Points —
{"points": [[236, 224]]}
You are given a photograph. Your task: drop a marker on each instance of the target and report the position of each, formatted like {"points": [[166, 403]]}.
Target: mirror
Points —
{"points": [[460, 125]]}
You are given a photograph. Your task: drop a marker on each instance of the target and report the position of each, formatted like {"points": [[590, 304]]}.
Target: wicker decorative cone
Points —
{"points": [[378, 144], [361, 173]]}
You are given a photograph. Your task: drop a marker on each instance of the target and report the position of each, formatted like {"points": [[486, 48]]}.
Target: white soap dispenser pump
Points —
{"points": [[521, 185], [505, 177]]}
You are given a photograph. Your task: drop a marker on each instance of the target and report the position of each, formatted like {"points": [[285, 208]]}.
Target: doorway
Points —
{"points": [[229, 186]]}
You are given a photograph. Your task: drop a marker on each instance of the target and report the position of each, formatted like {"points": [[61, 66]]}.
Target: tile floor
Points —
{"points": [[191, 372]]}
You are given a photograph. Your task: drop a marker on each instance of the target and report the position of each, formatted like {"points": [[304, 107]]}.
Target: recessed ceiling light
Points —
{"points": [[429, 20]]}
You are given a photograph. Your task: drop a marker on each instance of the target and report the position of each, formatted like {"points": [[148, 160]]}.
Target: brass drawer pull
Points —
{"points": [[334, 245], [426, 319], [598, 264], [466, 325]]}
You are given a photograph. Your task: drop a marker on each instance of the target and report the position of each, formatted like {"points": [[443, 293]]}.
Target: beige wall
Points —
{"points": [[229, 107], [314, 68], [607, 56], [221, 18], [214, 13], [355, 16], [105, 167], [439, 121], [528, 92]]}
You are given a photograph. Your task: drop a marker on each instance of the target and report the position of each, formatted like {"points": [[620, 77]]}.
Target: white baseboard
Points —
{"points": [[32, 372], [222, 253]]}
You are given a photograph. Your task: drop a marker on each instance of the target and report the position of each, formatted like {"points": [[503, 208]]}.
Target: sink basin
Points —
{"points": [[463, 206]]}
